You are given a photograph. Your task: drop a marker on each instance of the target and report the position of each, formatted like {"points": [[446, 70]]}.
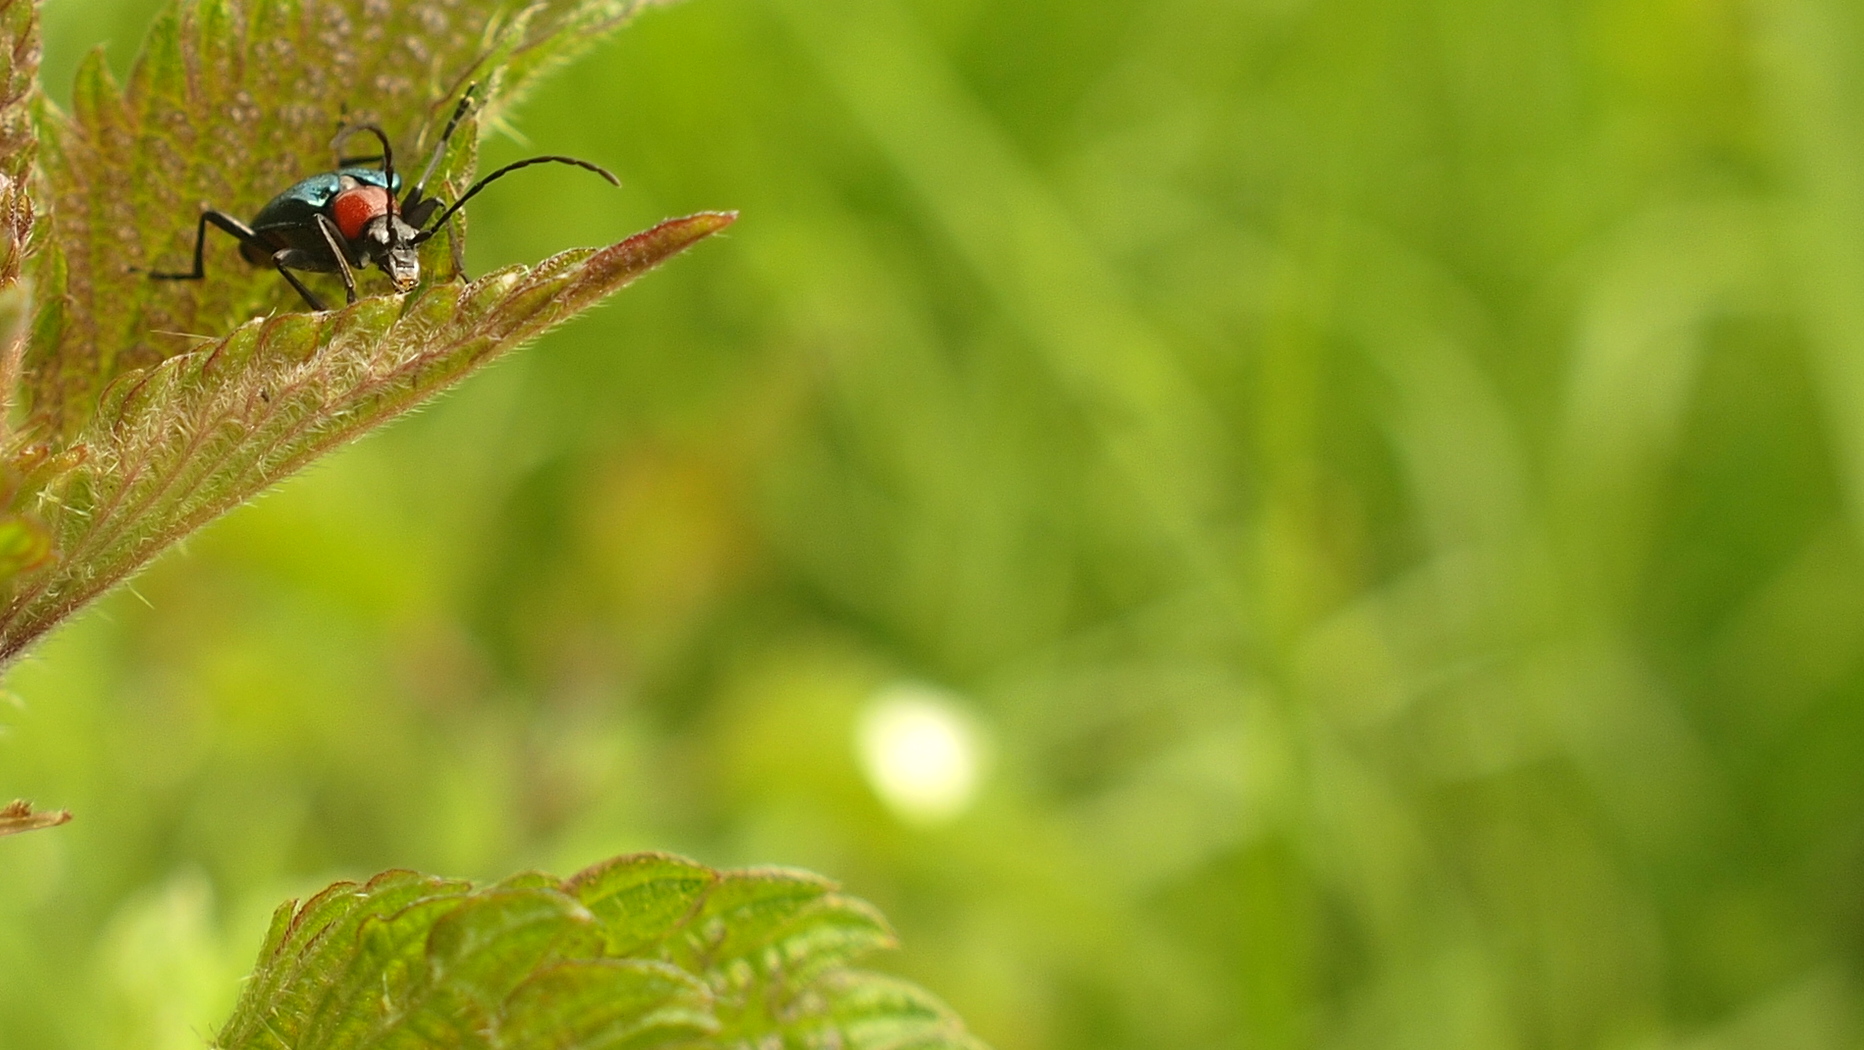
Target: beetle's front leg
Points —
{"points": [[339, 250]]}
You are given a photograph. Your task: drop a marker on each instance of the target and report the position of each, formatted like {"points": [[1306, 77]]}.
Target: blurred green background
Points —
{"points": [[1374, 488]]}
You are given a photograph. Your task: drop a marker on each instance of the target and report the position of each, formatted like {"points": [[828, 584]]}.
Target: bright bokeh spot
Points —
{"points": [[921, 751]]}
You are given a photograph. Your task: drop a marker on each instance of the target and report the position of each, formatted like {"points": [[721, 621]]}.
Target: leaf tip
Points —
{"points": [[619, 264], [674, 236], [18, 816]]}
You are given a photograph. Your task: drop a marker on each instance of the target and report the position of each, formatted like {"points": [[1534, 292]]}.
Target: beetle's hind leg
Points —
{"points": [[225, 222], [288, 259]]}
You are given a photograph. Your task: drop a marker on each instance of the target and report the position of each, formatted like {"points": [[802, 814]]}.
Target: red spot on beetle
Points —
{"points": [[353, 208]]}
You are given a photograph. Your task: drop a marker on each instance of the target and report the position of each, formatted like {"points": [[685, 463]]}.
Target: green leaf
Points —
{"points": [[870, 1011], [333, 952], [761, 938], [388, 967], [24, 545], [151, 407], [717, 959], [607, 1004], [19, 70], [483, 949], [639, 899], [782, 924]]}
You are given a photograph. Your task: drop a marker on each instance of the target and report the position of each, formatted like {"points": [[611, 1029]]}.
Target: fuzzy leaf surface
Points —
{"points": [[19, 71], [145, 408], [25, 543], [639, 952]]}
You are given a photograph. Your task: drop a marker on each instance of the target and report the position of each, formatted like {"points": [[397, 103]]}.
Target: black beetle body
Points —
{"points": [[346, 220]]}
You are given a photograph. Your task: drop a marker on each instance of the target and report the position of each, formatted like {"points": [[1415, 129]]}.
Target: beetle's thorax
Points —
{"points": [[356, 204], [364, 215]]}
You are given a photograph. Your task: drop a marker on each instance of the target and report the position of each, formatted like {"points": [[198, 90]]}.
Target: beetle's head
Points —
{"points": [[388, 242]]}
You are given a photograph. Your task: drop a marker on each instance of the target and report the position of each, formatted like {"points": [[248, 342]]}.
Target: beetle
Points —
{"points": [[347, 220]]}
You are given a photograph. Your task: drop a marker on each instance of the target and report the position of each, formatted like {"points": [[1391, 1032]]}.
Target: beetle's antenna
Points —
{"points": [[501, 173], [388, 157], [440, 148]]}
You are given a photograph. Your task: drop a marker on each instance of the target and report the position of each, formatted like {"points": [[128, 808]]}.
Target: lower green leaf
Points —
{"points": [[607, 1004], [638, 952]]}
